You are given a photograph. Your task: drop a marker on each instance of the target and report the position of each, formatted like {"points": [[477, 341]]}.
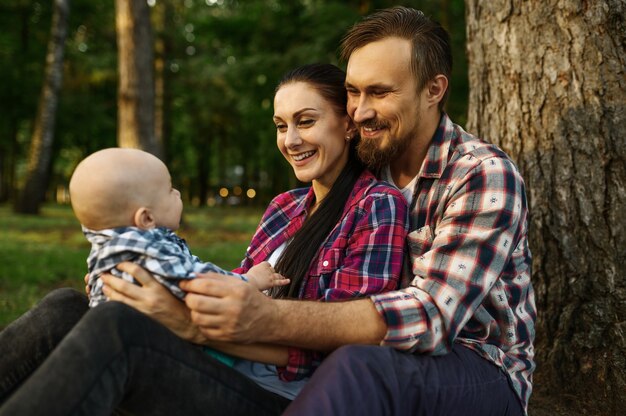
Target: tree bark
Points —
{"points": [[136, 122], [548, 85], [40, 153]]}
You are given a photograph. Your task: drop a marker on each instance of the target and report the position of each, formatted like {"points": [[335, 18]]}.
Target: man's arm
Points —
{"points": [[157, 302], [326, 326], [230, 310]]}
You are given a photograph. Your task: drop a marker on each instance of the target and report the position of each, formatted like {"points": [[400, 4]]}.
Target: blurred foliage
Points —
{"points": [[221, 60]]}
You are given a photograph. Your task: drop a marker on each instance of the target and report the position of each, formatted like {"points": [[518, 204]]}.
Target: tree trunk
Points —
{"points": [[37, 172], [163, 48], [548, 85], [136, 125]]}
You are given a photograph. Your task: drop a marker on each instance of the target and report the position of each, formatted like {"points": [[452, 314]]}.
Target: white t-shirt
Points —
{"points": [[407, 191]]}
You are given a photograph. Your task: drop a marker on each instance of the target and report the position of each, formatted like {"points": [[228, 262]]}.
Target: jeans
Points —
{"points": [[28, 341], [371, 380], [118, 359]]}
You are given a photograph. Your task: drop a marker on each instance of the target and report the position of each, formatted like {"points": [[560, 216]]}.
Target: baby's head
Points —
{"points": [[124, 187]]}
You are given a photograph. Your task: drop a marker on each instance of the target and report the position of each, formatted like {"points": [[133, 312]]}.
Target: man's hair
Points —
{"points": [[430, 42]]}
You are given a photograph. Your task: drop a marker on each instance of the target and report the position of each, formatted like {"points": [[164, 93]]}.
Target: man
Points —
{"points": [[458, 339]]}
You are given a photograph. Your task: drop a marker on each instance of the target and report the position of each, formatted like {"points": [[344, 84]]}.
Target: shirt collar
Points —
{"points": [[438, 152]]}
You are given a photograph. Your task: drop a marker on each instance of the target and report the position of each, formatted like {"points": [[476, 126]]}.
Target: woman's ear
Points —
{"points": [[144, 219], [351, 129]]}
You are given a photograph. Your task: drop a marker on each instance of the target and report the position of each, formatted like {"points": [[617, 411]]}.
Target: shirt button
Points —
{"points": [[249, 247], [325, 263]]}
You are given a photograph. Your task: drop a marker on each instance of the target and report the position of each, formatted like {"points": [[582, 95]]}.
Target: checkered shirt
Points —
{"points": [[361, 256], [158, 250], [469, 264]]}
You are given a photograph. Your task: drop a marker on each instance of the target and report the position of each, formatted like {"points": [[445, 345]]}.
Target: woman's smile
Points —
{"points": [[298, 157]]}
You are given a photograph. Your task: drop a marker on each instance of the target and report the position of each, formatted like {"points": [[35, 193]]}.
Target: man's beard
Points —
{"points": [[373, 156]]}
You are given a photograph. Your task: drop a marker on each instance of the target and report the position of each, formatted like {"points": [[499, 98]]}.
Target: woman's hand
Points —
{"points": [[152, 299]]}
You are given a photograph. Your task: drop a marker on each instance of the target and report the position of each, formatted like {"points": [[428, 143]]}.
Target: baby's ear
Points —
{"points": [[144, 219]]}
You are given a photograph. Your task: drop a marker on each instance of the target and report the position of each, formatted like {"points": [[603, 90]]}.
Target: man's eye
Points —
{"points": [[380, 93]]}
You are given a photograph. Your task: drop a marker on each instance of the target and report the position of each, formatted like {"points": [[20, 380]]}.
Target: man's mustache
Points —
{"points": [[372, 124]]}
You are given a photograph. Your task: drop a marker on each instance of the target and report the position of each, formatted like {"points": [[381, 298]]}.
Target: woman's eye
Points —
{"points": [[281, 128], [306, 122]]}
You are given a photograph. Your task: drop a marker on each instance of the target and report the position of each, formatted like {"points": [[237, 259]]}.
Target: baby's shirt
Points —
{"points": [[158, 250]]}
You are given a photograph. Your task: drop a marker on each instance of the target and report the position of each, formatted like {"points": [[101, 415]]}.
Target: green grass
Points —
{"points": [[40, 253]]}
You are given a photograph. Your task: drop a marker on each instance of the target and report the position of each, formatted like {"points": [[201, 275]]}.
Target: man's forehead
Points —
{"points": [[379, 62]]}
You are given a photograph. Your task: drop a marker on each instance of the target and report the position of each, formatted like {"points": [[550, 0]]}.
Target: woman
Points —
{"points": [[341, 238]]}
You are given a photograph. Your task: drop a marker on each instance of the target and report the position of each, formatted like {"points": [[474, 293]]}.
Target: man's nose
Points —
{"points": [[363, 109]]}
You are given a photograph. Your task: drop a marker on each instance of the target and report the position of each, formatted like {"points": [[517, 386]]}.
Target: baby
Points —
{"points": [[129, 211]]}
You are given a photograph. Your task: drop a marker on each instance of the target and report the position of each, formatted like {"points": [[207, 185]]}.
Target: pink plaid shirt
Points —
{"points": [[363, 255], [468, 274]]}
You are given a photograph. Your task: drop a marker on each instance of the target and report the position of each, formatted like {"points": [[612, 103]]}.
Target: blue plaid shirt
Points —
{"points": [[158, 250]]}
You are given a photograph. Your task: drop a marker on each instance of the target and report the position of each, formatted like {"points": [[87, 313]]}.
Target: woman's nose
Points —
{"points": [[292, 138]]}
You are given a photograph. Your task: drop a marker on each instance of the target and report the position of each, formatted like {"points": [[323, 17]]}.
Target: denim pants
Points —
{"points": [[115, 359], [371, 380]]}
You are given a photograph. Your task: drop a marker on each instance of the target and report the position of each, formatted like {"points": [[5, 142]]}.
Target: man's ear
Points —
{"points": [[144, 219], [436, 89]]}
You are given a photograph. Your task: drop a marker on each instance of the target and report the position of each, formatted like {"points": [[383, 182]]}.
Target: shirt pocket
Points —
{"points": [[328, 261], [325, 267], [420, 241]]}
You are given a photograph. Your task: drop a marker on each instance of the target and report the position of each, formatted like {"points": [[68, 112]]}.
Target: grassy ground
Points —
{"points": [[39, 253]]}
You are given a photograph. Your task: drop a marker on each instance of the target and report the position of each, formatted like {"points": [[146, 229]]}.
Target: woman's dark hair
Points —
{"points": [[296, 259]]}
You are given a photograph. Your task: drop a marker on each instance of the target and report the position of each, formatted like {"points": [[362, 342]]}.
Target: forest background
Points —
{"points": [[545, 80], [216, 66]]}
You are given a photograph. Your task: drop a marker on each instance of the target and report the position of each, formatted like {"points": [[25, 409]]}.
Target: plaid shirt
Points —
{"points": [[361, 256], [469, 257], [158, 250]]}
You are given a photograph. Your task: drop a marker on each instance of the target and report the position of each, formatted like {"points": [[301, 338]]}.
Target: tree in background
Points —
{"points": [[216, 63], [135, 104], [548, 85], [21, 49], [40, 154]]}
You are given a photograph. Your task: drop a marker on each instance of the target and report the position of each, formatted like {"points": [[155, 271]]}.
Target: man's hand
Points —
{"points": [[152, 299], [228, 309]]}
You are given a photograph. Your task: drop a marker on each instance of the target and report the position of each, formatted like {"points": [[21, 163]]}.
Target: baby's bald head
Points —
{"points": [[109, 186]]}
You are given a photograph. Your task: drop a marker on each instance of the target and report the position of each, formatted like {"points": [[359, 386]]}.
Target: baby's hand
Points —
{"points": [[263, 276]]}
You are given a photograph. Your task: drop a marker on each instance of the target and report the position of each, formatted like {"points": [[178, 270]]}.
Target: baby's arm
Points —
{"points": [[263, 276]]}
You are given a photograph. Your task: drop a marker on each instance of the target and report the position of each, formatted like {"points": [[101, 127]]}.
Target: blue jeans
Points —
{"points": [[371, 380], [117, 359]]}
